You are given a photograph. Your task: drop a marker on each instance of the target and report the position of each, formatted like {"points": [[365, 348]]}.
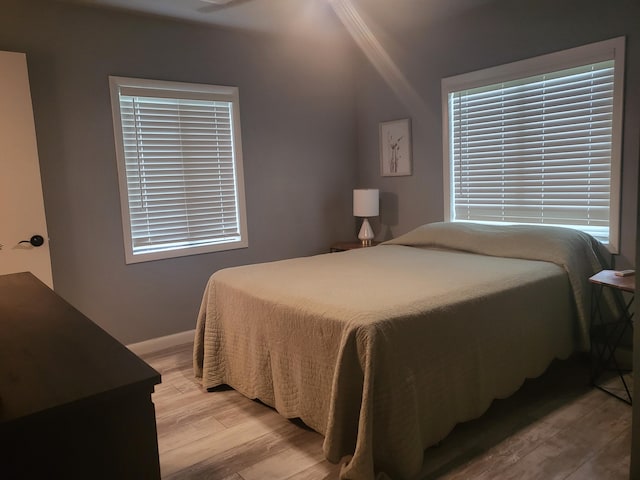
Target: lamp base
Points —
{"points": [[366, 233]]}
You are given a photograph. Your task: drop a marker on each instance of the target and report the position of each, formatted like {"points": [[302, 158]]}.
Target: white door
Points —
{"points": [[21, 204]]}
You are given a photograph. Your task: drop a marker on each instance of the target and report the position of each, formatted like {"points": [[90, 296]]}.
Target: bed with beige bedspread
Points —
{"points": [[384, 350]]}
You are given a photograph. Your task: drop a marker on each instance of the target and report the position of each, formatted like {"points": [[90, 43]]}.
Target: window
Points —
{"points": [[179, 166], [538, 141]]}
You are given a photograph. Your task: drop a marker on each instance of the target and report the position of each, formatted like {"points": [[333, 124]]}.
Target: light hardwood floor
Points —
{"points": [[555, 427]]}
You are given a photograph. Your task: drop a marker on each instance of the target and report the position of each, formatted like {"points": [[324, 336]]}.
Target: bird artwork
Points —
{"points": [[394, 151]]}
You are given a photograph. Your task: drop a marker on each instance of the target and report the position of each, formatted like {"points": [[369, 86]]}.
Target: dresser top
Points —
{"points": [[51, 355]]}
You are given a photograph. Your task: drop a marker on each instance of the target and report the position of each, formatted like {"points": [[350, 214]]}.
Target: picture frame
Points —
{"points": [[395, 148]]}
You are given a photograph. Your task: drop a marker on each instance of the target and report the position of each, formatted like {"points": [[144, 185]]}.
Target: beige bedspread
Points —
{"points": [[383, 350]]}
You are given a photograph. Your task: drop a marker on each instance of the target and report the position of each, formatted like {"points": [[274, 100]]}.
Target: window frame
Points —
{"points": [[177, 90], [612, 49]]}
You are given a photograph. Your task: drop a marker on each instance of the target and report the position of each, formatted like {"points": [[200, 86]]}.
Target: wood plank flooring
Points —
{"points": [[555, 427]]}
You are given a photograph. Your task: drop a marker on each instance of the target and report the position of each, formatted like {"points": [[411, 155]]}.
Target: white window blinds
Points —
{"points": [[536, 150], [179, 170]]}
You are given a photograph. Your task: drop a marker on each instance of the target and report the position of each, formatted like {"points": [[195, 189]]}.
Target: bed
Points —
{"points": [[384, 350]]}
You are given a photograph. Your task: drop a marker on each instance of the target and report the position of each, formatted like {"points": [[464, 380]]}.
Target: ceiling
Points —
{"points": [[291, 16], [309, 16]]}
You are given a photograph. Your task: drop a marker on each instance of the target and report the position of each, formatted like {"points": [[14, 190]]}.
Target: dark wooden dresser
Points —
{"points": [[74, 402]]}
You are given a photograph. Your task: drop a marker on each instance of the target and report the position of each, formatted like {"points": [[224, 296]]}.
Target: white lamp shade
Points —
{"points": [[366, 202]]}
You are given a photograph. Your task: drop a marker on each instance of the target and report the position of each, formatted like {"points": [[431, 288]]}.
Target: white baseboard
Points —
{"points": [[162, 343]]}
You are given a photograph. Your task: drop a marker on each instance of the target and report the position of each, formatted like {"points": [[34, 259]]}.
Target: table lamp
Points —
{"points": [[366, 204]]}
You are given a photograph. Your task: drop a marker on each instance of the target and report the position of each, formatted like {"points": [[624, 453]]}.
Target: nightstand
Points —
{"points": [[607, 333], [344, 246]]}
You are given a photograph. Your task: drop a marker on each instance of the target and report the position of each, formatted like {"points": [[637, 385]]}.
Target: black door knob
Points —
{"points": [[36, 240]]}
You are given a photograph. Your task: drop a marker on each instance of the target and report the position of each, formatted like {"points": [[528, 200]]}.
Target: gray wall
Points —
{"points": [[298, 130], [491, 33]]}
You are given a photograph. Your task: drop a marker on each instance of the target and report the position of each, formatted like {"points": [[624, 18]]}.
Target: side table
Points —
{"points": [[607, 331]]}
